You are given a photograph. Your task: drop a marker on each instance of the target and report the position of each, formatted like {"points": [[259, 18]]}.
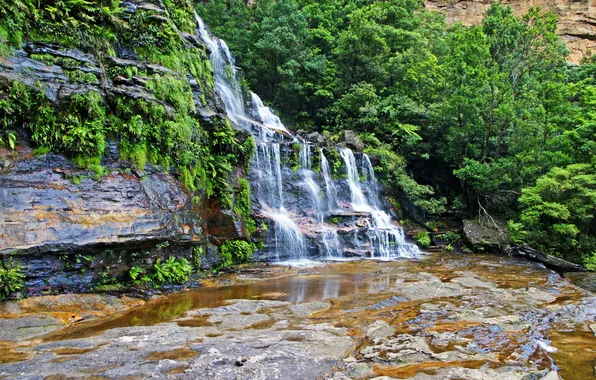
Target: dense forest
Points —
{"points": [[487, 120]]}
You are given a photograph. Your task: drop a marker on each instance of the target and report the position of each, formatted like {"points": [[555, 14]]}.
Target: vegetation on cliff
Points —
{"points": [[78, 76], [462, 120], [163, 125]]}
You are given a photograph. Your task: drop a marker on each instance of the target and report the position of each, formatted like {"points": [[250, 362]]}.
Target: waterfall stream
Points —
{"points": [[313, 214]]}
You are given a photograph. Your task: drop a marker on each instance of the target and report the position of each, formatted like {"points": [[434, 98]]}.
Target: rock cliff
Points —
{"points": [[577, 19], [158, 177]]}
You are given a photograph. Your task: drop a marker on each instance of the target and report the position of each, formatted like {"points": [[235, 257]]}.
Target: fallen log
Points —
{"points": [[549, 261]]}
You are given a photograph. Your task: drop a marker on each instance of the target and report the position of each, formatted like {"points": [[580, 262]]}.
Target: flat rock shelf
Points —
{"points": [[443, 316]]}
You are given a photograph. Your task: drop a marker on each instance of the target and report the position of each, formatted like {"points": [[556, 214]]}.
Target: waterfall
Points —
{"points": [[267, 160], [295, 202], [359, 202], [387, 239], [330, 188], [368, 174]]}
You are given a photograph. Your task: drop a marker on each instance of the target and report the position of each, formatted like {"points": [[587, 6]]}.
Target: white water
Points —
{"points": [[359, 202], [330, 188], [266, 115], [329, 237], [386, 239]]}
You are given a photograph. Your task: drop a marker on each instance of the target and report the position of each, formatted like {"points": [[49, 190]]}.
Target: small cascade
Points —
{"points": [[266, 116], [371, 184], [330, 188], [225, 76], [359, 202], [387, 239], [329, 237], [308, 210], [331, 243]]}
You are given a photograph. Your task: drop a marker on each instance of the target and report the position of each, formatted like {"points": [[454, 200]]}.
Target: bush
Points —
{"points": [[423, 239], [558, 213], [171, 271], [236, 252], [11, 280]]}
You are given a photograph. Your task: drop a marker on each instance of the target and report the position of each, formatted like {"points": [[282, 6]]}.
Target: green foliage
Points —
{"points": [[77, 130], [171, 271], [11, 280], [135, 273], [463, 117], [236, 252], [423, 239], [451, 237], [243, 206], [558, 213], [590, 262]]}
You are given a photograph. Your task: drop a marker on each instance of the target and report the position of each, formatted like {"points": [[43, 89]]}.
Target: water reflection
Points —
{"points": [[294, 289]]}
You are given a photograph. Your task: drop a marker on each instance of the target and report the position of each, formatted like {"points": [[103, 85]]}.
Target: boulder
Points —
{"points": [[352, 140], [486, 235]]}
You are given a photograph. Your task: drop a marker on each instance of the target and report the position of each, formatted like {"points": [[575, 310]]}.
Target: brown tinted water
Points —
{"points": [[363, 292], [294, 289]]}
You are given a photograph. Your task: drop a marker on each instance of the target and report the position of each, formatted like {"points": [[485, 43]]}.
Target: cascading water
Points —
{"points": [[330, 188], [267, 160], [387, 239], [295, 219], [329, 237]]}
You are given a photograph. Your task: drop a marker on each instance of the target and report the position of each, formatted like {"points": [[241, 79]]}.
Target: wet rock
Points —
{"points": [[585, 280], [27, 327], [471, 282], [552, 375], [379, 329], [305, 309], [42, 211], [241, 360]]}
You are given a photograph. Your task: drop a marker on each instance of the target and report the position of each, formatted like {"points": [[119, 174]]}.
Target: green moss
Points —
{"points": [[166, 131], [78, 76], [243, 206]]}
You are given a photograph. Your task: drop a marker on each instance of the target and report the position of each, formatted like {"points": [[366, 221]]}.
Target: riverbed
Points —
{"points": [[443, 316]]}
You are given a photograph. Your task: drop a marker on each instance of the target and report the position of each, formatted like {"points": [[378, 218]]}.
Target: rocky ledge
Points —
{"points": [[576, 24]]}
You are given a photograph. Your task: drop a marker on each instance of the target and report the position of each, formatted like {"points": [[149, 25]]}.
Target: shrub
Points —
{"points": [[236, 252], [171, 271], [11, 280], [423, 239]]}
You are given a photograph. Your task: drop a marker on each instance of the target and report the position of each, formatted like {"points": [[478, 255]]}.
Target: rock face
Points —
{"points": [[66, 235], [577, 19], [44, 211], [487, 235]]}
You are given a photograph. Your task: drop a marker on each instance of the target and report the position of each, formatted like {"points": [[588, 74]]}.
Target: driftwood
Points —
{"points": [[549, 261]]}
